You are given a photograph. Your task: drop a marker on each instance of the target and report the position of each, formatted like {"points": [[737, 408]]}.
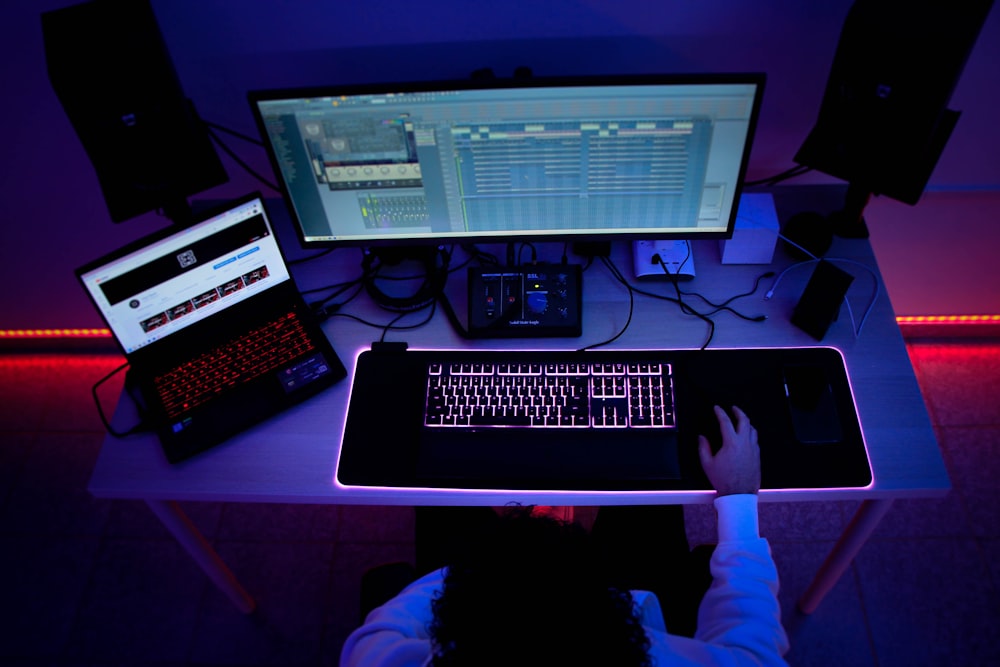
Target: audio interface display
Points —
{"points": [[540, 300]]}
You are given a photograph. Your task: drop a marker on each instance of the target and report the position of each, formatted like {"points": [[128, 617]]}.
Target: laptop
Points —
{"points": [[217, 335]]}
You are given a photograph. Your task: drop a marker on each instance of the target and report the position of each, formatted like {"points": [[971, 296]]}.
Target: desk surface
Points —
{"points": [[292, 457]]}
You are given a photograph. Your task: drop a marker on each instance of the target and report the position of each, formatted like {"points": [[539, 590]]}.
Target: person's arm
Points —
{"points": [[740, 611], [395, 634]]}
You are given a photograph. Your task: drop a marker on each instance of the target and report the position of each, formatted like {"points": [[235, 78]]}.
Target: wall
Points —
{"points": [[52, 216]]}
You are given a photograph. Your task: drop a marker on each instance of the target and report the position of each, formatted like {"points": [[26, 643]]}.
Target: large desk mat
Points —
{"points": [[386, 445]]}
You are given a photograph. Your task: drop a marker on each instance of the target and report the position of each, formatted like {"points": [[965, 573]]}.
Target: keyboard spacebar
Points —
{"points": [[575, 419], [483, 420]]}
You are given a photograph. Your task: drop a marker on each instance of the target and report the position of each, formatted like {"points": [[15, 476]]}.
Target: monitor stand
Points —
{"points": [[663, 260]]}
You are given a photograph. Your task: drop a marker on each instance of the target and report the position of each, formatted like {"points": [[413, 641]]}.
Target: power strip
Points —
{"points": [[537, 301], [663, 260]]}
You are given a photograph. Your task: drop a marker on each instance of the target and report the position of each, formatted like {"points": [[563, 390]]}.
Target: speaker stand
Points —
{"points": [[849, 222]]}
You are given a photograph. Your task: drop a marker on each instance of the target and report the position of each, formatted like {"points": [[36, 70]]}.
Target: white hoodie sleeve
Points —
{"points": [[739, 619], [395, 634]]}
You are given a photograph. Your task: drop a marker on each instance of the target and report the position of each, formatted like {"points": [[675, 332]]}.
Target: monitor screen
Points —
{"points": [[494, 160]]}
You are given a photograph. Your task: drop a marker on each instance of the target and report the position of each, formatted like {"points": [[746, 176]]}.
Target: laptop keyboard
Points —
{"points": [[240, 360], [549, 395]]}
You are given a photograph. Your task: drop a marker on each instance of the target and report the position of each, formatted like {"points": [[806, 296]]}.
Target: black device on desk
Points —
{"points": [[594, 420], [537, 300], [490, 160]]}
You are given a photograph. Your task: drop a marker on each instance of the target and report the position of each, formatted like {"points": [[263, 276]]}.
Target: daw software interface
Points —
{"points": [[594, 159]]}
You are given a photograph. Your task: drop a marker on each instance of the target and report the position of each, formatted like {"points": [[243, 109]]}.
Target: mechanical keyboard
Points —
{"points": [[549, 395]]}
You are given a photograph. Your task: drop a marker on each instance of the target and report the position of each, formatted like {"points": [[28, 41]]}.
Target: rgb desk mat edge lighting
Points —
{"points": [[386, 444]]}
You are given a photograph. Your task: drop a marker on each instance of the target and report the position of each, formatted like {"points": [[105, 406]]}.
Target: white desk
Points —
{"points": [[291, 458]]}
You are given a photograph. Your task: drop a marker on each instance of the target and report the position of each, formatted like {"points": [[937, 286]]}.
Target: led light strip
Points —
{"points": [[948, 319], [54, 333], [105, 333]]}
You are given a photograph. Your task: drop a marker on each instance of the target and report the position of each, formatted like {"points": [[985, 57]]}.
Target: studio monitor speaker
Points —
{"points": [[110, 68]]}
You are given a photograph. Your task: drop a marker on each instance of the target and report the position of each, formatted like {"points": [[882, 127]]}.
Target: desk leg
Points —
{"points": [[182, 528], [855, 535]]}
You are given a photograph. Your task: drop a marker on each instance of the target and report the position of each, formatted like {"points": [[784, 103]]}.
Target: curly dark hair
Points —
{"points": [[533, 591]]}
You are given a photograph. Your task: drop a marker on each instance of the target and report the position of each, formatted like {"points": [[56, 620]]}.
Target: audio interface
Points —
{"points": [[540, 300]]}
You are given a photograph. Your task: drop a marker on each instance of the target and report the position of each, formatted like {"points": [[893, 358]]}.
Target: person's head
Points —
{"points": [[532, 591]]}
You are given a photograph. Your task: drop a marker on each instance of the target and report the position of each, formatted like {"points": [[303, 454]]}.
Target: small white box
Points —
{"points": [[755, 233]]}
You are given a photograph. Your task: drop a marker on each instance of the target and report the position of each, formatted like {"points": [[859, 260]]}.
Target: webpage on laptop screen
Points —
{"points": [[151, 293]]}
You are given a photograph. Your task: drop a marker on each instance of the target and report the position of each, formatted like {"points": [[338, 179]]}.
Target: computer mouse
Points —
{"points": [[707, 423]]}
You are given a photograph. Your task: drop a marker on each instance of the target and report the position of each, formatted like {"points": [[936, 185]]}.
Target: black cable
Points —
{"points": [[340, 288], [724, 306], [392, 324], [238, 135], [450, 269], [631, 304], [685, 308], [717, 307], [449, 312], [239, 160], [303, 260], [797, 170], [100, 411], [458, 267], [323, 309], [679, 301], [336, 286], [480, 256]]}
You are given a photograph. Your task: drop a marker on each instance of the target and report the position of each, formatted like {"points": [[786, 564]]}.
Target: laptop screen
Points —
{"points": [[149, 293]]}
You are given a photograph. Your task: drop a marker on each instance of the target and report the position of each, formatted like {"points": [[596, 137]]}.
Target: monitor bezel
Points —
{"points": [[756, 79]]}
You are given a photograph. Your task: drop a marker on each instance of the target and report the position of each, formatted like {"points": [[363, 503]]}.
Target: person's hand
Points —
{"points": [[735, 468]]}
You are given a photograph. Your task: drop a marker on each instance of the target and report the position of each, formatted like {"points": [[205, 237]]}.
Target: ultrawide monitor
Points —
{"points": [[580, 159]]}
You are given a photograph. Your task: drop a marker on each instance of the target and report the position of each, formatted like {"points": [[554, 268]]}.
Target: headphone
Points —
{"points": [[435, 263]]}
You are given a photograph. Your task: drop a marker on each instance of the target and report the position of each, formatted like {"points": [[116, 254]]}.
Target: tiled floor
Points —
{"points": [[93, 582]]}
